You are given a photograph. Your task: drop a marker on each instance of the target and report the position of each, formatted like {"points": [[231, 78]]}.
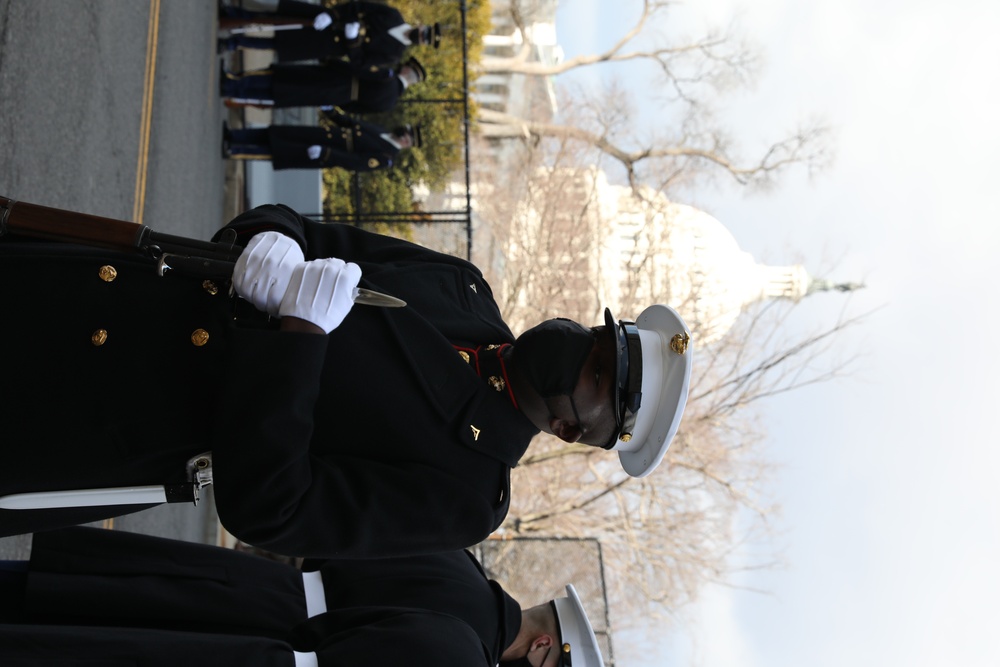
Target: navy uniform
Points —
{"points": [[360, 637], [94, 577], [375, 44], [108, 594], [381, 40], [330, 84], [351, 144], [377, 440]]}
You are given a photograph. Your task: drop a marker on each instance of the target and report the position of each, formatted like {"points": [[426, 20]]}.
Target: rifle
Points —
{"points": [[208, 260], [203, 259]]}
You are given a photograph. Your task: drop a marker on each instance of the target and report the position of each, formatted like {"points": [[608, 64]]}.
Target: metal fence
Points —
{"points": [[462, 215]]}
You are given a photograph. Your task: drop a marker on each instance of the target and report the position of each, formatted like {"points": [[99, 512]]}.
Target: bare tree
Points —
{"points": [[542, 218], [691, 77], [718, 57], [678, 154], [667, 535]]}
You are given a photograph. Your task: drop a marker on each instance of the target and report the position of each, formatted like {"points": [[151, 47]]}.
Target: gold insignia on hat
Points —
{"points": [[679, 343], [475, 432], [497, 383], [625, 437], [372, 163], [210, 287], [107, 273], [465, 355]]}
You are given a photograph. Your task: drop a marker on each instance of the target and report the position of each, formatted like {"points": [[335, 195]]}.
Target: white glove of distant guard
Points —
{"points": [[321, 292], [322, 21], [264, 268], [351, 30], [314, 152]]}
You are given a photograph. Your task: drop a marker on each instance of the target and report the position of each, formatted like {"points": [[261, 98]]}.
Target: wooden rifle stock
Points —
{"points": [[187, 256], [42, 222]]}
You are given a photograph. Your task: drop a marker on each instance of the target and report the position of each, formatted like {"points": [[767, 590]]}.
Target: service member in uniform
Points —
{"points": [[88, 577], [336, 431], [332, 84], [351, 144], [368, 34]]}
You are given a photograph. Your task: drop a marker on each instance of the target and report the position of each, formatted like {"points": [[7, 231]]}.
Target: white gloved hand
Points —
{"points": [[264, 268], [322, 21], [351, 30], [321, 292], [314, 152]]}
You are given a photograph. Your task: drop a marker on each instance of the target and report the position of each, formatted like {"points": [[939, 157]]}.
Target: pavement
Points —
{"points": [[235, 180]]}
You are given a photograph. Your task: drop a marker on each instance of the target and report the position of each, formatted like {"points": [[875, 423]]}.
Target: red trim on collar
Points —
{"points": [[503, 367]]}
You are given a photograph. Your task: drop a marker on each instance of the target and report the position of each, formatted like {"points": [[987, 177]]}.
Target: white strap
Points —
{"points": [[312, 582], [305, 659], [401, 33]]}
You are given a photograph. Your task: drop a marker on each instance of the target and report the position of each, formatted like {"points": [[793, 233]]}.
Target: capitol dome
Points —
{"points": [[660, 251]]}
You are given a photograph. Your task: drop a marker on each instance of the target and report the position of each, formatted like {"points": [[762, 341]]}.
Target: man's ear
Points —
{"points": [[540, 642]]}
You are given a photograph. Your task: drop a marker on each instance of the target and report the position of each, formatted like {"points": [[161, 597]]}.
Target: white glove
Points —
{"points": [[321, 291], [351, 30], [322, 21], [314, 152], [264, 268]]}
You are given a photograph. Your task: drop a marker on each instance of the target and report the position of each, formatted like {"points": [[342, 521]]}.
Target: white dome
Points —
{"points": [[698, 268]]}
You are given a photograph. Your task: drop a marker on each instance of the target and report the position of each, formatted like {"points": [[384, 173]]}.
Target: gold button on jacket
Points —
{"points": [[199, 337]]}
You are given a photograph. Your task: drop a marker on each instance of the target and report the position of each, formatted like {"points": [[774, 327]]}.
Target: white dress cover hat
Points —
{"points": [[660, 342], [579, 643]]}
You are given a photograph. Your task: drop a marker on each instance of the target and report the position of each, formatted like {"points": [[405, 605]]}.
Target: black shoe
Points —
{"points": [[225, 78], [225, 45]]}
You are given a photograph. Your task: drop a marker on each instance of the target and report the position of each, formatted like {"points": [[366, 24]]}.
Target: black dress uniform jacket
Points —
{"points": [[92, 577], [355, 145], [335, 83], [374, 47], [112, 375], [377, 440], [359, 637]]}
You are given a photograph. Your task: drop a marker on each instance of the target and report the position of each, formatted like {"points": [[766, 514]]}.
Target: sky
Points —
{"points": [[887, 477]]}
